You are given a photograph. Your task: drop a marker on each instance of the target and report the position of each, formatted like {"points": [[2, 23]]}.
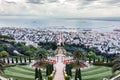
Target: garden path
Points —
{"points": [[59, 67]]}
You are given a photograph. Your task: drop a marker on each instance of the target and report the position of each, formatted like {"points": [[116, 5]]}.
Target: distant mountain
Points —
{"points": [[101, 18]]}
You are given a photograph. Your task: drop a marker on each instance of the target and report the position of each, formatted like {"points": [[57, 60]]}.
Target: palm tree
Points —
{"points": [[41, 54], [116, 65], [78, 56]]}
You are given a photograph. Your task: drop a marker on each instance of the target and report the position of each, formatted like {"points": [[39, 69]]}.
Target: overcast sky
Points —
{"points": [[60, 8]]}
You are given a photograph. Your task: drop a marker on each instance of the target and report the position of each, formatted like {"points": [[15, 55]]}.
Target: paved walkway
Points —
{"points": [[59, 67], [59, 72]]}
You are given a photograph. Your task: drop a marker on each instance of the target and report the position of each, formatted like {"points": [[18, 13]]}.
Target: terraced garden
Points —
{"points": [[96, 73], [21, 72]]}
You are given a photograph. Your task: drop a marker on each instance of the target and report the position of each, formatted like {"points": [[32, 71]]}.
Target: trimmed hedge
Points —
{"points": [[51, 76], [67, 77], [11, 65], [103, 64]]}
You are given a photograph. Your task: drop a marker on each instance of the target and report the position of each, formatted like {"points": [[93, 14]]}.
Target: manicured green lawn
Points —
{"points": [[95, 73], [21, 72]]}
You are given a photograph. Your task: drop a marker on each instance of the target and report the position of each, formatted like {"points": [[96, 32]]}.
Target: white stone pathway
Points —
{"points": [[59, 67]]}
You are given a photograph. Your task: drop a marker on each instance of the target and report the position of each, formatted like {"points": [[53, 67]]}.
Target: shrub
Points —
{"points": [[22, 64], [103, 64], [50, 77], [67, 77], [11, 65]]}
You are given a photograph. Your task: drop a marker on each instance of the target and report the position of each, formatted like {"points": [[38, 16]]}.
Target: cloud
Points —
{"points": [[61, 8]]}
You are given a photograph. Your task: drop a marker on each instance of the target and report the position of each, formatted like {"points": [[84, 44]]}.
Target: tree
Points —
{"points": [[25, 60], [78, 74], [40, 74], [4, 54], [29, 59], [4, 60], [92, 55], [116, 65], [41, 54], [28, 53], [16, 60], [78, 56], [8, 61], [79, 77], [12, 60], [20, 59], [1, 67], [49, 69], [68, 69], [36, 73]]}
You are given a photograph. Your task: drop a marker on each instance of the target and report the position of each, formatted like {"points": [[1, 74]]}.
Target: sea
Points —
{"points": [[66, 24]]}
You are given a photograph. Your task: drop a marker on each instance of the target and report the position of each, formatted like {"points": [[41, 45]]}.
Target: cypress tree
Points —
{"points": [[76, 74], [4, 60], [46, 70], [94, 60], [16, 60], [20, 59], [98, 59], [40, 74], [79, 74], [29, 59], [36, 73], [12, 60], [103, 59], [107, 60], [25, 60], [8, 61]]}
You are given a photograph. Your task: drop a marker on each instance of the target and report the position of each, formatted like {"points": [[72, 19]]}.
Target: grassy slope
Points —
{"points": [[20, 73], [96, 73]]}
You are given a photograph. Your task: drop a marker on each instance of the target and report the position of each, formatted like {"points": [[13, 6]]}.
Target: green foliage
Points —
{"points": [[116, 65], [6, 37], [16, 60], [20, 59], [36, 73], [12, 60], [8, 61], [29, 59], [78, 74], [67, 77], [103, 64], [40, 74], [50, 77], [49, 69], [4, 54], [25, 60], [28, 53], [92, 55], [41, 54], [1, 67], [68, 69], [78, 56], [48, 45], [26, 50]]}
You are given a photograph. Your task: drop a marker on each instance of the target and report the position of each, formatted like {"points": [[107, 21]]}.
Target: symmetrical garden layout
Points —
{"points": [[24, 68]]}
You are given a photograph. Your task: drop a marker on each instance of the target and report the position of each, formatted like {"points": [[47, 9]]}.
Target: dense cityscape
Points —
{"points": [[59, 39], [105, 41]]}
